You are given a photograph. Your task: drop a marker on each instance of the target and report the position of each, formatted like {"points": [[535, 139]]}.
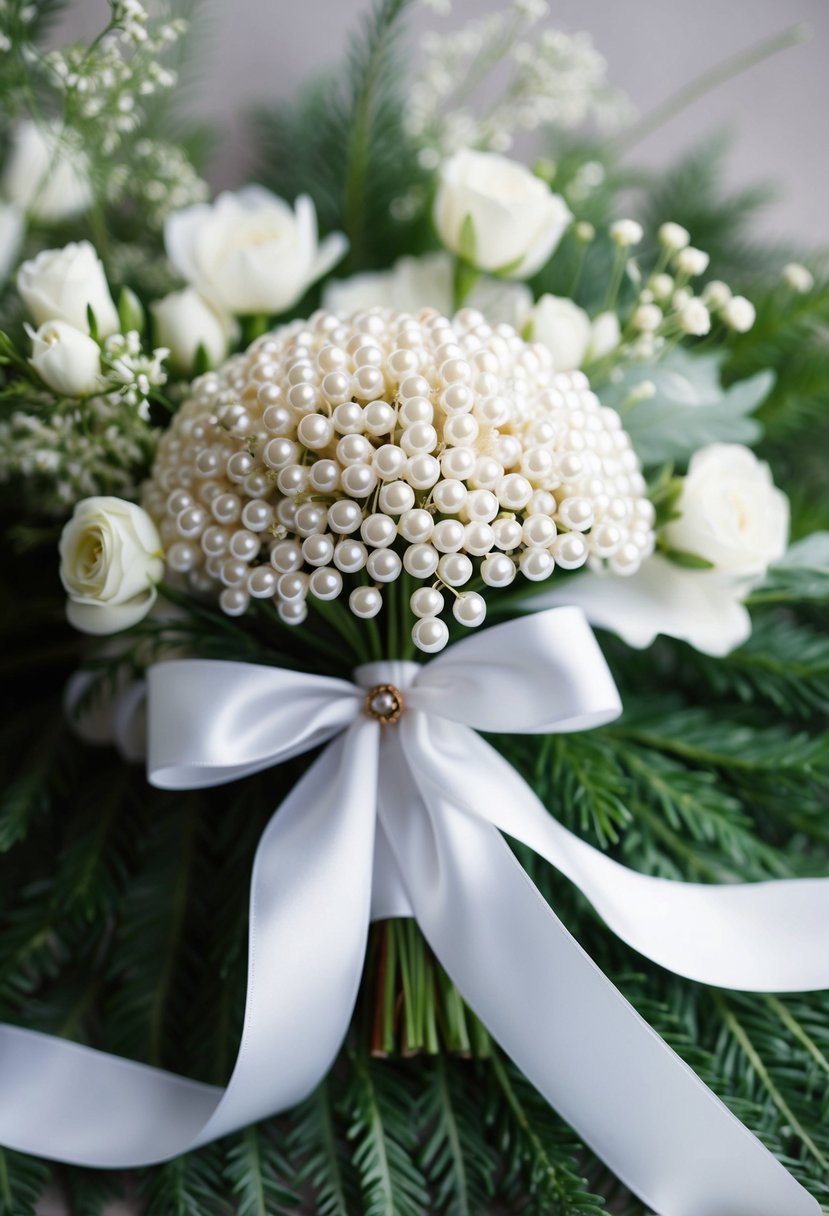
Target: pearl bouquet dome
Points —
{"points": [[335, 457]]}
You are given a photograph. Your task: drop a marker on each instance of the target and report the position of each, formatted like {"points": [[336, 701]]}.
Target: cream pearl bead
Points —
{"points": [[416, 525], [365, 602], [480, 506], [325, 583], [449, 496], [447, 535], [318, 550], [214, 541], [344, 516], [514, 492], [508, 533], [293, 612], [478, 539], [234, 601], [178, 501], [389, 461], [182, 557], [245, 545], [350, 556], [455, 569], [279, 453], [354, 449], [191, 522], [324, 476], [395, 497], [539, 530], [348, 418], [379, 418], [576, 513], [426, 601], [605, 539], [415, 410], [626, 560], [430, 634], [536, 564], [286, 557], [292, 587], [498, 570], [421, 471], [315, 431], [421, 437], [458, 463], [233, 573], [359, 480], [421, 561], [378, 530], [261, 582], [257, 515], [570, 550], [469, 609], [310, 518], [384, 565]]}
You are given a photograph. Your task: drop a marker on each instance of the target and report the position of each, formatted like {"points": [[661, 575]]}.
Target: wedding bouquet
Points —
{"points": [[342, 467]]}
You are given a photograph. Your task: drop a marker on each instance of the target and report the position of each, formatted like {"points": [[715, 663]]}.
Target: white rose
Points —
{"points": [[514, 219], [605, 335], [11, 238], [184, 321], [60, 284], [65, 359], [44, 176], [111, 560], [426, 282], [249, 252], [731, 513]]}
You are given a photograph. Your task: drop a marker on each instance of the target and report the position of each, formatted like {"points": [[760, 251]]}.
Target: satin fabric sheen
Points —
{"points": [[407, 820]]}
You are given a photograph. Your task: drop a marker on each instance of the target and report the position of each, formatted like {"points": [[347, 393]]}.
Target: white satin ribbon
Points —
{"points": [[404, 820]]}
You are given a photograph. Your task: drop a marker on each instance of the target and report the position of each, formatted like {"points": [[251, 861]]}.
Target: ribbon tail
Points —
{"points": [[635, 1102], [309, 914], [758, 937]]}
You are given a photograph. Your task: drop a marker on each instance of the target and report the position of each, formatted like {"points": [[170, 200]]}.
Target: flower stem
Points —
{"points": [[735, 65]]}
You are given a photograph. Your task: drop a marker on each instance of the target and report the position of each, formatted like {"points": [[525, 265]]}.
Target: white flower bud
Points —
{"points": [[184, 321], [497, 214], [44, 177], [694, 318], [111, 561], [731, 513], [11, 238], [692, 261], [716, 294], [605, 334], [647, 318], [249, 252], [798, 278], [564, 329], [673, 237], [584, 232], [61, 284], [68, 361], [739, 314], [625, 233], [662, 286]]}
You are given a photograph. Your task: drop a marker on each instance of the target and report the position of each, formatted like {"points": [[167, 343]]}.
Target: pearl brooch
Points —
{"points": [[385, 703]]}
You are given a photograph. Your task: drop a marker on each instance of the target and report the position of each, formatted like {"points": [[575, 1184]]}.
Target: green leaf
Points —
{"points": [[689, 409], [803, 574], [130, 311], [689, 561], [22, 1182]]}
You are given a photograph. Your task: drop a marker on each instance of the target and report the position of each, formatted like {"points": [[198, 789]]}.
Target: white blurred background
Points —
{"points": [[249, 52]]}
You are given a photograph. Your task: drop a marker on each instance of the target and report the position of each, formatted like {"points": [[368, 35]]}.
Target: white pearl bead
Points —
{"points": [[261, 582], [292, 587], [378, 530], [348, 417], [336, 387], [539, 530], [605, 539], [233, 601], [354, 449], [576, 513], [292, 480], [293, 612], [315, 431], [421, 437], [422, 471], [279, 453], [257, 484], [413, 386], [458, 463], [286, 557], [244, 545], [447, 536], [514, 492], [497, 570], [449, 496], [359, 480], [488, 473], [430, 634], [481, 506], [460, 430], [365, 602], [384, 565], [324, 476], [536, 564], [226, 508], [426, 601], [396, 497], [570, 550], [350, 556], [325, 583], [344, 516], [257, 515], [416, 409], [182, 557], [626, 560], [310, 518], [232, 573], [478, 539], [457, 400], [455, 569], [190, 522], [388, 461], [469, 609], [318, 550], [180, 500], [421, 561], [214, 541], [416, 525], [508, 533], [379, 418]]}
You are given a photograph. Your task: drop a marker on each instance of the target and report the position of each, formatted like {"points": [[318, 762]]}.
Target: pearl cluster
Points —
{"points": [[333, 456]]}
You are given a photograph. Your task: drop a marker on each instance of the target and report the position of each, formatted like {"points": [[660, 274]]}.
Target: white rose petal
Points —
{"points": [[700, 607], [515, 218], [66, 359], [12, 226], [184, 321], [564, 329], [731, 513], [605, 335], [44, 177], [111, 561], [60, 284], [250, 252], [426, 282]]}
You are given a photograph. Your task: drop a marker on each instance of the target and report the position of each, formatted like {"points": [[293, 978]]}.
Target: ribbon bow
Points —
{"points": [[401, 815]]}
